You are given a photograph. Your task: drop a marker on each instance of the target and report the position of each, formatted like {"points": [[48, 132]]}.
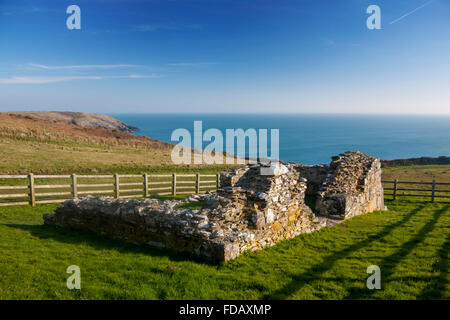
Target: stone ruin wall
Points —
{"points": [[352, 187], [249, 212]]}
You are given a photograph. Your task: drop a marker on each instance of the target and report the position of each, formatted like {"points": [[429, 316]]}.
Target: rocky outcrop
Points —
{"points": [[82, 119], [250, 211]]}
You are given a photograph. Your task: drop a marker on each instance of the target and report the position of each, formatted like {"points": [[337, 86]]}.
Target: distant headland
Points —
{"points": [[82, 119]]}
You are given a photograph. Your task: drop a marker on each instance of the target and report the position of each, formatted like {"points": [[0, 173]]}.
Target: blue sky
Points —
{"points": [[251, 56]]}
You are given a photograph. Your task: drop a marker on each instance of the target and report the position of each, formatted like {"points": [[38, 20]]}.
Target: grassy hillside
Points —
{"points": [[50, 147], [83, 119]]}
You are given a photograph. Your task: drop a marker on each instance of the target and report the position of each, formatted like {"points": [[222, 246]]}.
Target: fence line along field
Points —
{"points": [[416, 189], [44, 189], [415, 182]]}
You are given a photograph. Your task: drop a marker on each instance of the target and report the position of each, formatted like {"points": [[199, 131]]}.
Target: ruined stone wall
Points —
{"points": [[353, 186], [249, 212], [264, 209]]}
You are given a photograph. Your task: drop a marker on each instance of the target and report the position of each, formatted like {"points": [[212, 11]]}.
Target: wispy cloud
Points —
{"points": [[411, 12], [328, 42], [156, 27], [86, 66], [9, 10], [191, 64], [43, 80], [151, 27]]}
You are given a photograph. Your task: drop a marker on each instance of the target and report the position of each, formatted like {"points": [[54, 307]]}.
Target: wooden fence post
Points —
{"points": [[74, 186], [174, 184], [197, 183], [116, 186], [145, 185], [433, 188], [217, 181], [395, 189], [31, 187]]}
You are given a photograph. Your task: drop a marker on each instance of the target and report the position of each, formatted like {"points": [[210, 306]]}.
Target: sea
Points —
{"points": [[315, 138]]}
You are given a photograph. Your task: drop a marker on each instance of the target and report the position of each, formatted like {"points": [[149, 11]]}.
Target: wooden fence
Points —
{"points": [[42, 189], [435, 190]]}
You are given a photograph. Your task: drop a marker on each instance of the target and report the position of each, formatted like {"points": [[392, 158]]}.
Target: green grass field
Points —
{"points": [[425, 173], [410, 243], [20, 156]]}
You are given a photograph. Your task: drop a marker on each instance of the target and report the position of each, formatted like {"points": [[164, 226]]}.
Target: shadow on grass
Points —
{"points": [[100, 242], [437, 288], [388, 264], [315, 271], [418, 200]]}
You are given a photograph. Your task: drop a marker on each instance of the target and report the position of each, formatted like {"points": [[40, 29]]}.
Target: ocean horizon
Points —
{"points": [[315, 138]]}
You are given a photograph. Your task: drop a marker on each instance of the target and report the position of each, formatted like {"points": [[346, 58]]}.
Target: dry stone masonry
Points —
{"points": [[249, 212], [352, 187]]}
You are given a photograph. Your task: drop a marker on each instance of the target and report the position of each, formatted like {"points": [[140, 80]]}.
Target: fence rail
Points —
{"points": [[27, 189], [433, 192]]}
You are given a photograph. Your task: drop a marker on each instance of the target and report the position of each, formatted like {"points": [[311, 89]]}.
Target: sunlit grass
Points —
{"points": [[410, 243]]}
